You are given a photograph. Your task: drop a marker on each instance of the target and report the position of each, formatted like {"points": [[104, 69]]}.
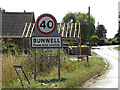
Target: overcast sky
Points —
{"points": [[104, 11]]}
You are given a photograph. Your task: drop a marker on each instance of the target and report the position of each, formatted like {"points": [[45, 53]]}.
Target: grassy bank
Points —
{"points": [[73, 73], [118, 48]]}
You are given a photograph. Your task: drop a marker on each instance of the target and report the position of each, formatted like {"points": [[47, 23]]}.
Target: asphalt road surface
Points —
{"points": [[110, 78]]}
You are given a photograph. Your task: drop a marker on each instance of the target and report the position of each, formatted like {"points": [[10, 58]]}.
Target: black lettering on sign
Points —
{"points": [[43, 24], [34, 40], [49, 24]]}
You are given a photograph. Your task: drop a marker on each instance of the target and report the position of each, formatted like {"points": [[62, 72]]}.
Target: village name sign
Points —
{"points": [[46, 35]]}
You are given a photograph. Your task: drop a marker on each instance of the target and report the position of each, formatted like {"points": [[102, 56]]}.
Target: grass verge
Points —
{"points": [[94, 54], [73, 75], [118, 48]]}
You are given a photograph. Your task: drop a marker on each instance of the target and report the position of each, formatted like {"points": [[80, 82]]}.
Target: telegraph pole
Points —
{"points": [[89, 28]]}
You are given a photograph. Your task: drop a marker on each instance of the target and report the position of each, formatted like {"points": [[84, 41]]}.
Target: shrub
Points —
{"points": [[10, 47]]}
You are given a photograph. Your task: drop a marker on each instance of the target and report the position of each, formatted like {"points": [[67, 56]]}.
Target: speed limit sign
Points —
{"points": [[46, 34], [46, 24]]}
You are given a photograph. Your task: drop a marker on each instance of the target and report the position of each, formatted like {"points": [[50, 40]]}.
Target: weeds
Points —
{"points": [[8, 72], [73, 73], [45, 63]]}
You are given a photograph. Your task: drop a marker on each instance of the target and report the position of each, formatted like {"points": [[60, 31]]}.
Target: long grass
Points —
{"points": [[73, 73], [44, 64], [8, 72]]}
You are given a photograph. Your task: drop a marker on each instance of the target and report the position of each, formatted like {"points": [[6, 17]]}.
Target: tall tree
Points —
{"points": [[69, 17], [101, 31], [1, 9], [77, 17], [83, 19], [118, 34]]}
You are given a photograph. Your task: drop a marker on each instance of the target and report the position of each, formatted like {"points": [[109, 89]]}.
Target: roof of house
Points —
{"points": [[13, 23]]}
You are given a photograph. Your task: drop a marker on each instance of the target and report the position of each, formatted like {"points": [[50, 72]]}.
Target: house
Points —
{"points": [[13, 24]]}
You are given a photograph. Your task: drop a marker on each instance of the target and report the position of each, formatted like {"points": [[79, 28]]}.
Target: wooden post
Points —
{"points": [[87, 58], [77, 40], [89, 28], [23, 43], [80, 41], [80, 46]]}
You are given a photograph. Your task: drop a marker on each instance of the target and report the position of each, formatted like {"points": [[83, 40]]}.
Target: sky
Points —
{"points": [[104, 11]]}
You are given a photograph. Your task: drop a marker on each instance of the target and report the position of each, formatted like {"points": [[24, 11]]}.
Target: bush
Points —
{"points": [[10, 47], [94, 40]]}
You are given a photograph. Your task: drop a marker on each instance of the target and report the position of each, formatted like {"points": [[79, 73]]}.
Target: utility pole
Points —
{"points": [[89, 28]]}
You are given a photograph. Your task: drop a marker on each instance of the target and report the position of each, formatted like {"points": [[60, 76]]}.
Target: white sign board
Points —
{"points": [[46, 42]]}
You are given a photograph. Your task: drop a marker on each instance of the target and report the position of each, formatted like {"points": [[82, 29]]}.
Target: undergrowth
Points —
{"points": [[45, 61], [73, 74]]}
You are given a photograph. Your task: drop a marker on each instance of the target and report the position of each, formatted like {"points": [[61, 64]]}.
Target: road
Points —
{"points": [[110, 78]]}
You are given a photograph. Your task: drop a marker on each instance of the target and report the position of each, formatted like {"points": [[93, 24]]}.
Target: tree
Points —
{"points": [[70, 17], [101, 31], [94, 39], [118, 35], [77, 18], [3, 10], [83, 19]]}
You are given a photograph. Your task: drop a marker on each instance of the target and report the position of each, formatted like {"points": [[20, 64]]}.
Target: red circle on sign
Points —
{"points": [[46, 15]]}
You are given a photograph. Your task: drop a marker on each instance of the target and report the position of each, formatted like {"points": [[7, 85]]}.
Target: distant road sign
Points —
{"points": [[46, 24]]}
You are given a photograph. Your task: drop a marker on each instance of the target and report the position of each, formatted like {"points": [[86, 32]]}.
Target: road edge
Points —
{"points": [[93, 80]]}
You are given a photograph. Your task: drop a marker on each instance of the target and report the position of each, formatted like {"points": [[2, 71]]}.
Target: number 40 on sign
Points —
{"points": [[46, 24]]}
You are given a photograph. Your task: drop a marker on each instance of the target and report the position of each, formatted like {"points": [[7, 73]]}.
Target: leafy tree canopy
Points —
{"points": [[88, 28], [101, 31], [77, 17]]}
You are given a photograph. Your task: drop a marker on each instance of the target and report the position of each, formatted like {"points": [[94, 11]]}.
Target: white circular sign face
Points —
{"points": [[46, 24]]}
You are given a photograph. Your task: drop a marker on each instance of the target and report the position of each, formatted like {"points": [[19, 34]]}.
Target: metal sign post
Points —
{"points": [[59, 64], [35, 64], [16, 67]]}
